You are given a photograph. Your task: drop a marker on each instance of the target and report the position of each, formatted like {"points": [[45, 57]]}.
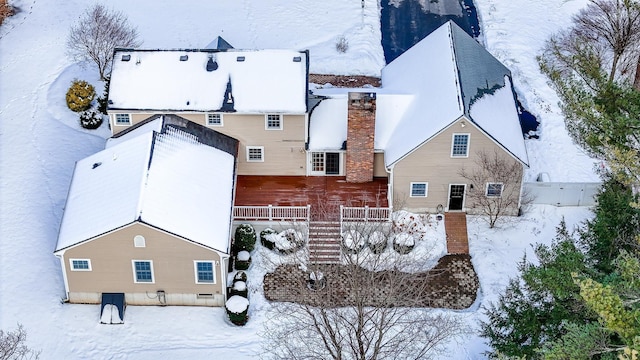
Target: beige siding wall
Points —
{"points": [[283, 149], [432, 163], [111, 258]]}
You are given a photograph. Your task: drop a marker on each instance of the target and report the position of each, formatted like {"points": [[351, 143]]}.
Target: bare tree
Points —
{"points": [[370, 306], [496, 189], [96, 35], [12, 345]]}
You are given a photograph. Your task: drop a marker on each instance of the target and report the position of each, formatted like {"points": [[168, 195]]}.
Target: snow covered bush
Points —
{"points": [[237, 309], [265, 238], [377, 242], [90, 119], [239, 288], [342, 45], [317, 281], [403, 243], [243, 260], [285, 242], [240, 276], [80, 95], [352, 241], [245, 238]]}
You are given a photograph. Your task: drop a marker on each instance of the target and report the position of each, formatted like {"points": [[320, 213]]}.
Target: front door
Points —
{"points": [[456, 197]]}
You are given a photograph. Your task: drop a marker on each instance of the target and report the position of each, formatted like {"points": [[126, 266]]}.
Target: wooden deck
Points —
{"points": [[323, 193]]}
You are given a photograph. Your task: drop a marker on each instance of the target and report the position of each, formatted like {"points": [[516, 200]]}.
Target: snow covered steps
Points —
{"points": [[324, 242]]}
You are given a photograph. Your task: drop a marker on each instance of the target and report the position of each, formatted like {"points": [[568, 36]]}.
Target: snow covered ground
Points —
{"points": [[40, 142]]}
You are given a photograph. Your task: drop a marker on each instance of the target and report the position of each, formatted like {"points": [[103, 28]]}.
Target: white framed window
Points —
{"points": [[494, 189], [123, 119], [139, 241], [214, 119], [419, 189], [205, 272], [273, 122], [80, 264], [460, 145], [143, 271], [255, 153]]}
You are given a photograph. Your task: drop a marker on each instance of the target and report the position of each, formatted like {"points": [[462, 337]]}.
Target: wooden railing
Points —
{"points": [[272, 213], [365, 213]]}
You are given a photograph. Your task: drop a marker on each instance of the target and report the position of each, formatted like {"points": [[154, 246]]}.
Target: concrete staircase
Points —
{"points": [[324, 242]]}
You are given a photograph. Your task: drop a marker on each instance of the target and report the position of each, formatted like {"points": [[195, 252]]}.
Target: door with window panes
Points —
{"points": [[456, 197], [325, 163]]}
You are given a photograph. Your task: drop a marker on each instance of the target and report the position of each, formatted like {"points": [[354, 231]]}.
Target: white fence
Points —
{"points": [[364, 214], [272, 213], [563, 194]]}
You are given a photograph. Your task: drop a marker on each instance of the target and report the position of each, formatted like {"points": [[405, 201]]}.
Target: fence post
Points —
{"points": [[270, 212], [366, 213], [308, 213]]}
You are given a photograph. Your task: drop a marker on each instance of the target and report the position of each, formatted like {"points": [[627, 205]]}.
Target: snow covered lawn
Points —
{"points": [[40, 141]]}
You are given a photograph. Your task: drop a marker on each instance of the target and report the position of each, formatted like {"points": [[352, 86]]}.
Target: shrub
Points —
{"points": [[352, 241], [240, 276], [80, 95], [403, 243], [342, 45], [265, 239], [243, 260], [239, 288], [237, 309], [245, 238], [103, 101], [90, 119], [377, 242]]}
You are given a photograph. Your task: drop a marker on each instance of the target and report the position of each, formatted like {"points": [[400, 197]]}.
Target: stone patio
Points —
{"points": [[451, 284]]}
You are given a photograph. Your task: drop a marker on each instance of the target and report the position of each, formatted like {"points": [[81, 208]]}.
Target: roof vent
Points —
{"points": [[240, 59], [95, 165], [297, 59], [212, 64], [126, 57], [188, 102], [184, 57]]}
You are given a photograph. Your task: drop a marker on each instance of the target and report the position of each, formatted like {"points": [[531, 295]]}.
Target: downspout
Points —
{"points": [[64, 277], [390, 186]]}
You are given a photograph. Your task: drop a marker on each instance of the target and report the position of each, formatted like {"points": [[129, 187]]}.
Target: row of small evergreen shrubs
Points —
{"points": [[80, 97], [237, 305]]}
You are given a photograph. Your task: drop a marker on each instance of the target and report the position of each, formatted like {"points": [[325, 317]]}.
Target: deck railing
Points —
{"points": [[365, 213], [272, 213]]}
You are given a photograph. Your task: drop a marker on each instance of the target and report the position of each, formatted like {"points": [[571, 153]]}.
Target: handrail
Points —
{"points": [[271, 213]]}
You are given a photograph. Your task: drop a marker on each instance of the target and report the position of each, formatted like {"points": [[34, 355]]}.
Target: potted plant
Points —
{"points": [[317, 281]]}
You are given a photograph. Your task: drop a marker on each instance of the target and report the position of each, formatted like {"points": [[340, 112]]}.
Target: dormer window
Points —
{"points": [[214, 119], [273, 122]]}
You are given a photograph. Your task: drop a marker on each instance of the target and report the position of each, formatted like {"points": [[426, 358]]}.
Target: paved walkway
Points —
{"points": [[455, 225], [451, 284]]}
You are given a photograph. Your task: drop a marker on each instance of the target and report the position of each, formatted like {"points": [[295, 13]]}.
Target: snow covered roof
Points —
{"points": [[434, 83], [184, 80], [157, 178]]}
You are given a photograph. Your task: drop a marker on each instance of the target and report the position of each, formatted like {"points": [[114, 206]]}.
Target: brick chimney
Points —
{"points": [[361, 124]]}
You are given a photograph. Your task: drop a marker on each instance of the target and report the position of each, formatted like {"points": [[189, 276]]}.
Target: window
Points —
{"points": [[494, 189], [273, 122], [317, 161], [460, 145], [143, 271], [204, 272], [419, 189], [214, 119], [80, 264], [123, 119], [139, 241], [255, 153]]}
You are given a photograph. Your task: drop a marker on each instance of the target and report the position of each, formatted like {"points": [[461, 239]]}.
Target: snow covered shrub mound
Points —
{"points": [[237, 309], [403, 243], [243, 260], [285, 242], [239, 288], [245, 238], [377, 242], [352, 241], [80, 95], [240, 276], [90, 119]]}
